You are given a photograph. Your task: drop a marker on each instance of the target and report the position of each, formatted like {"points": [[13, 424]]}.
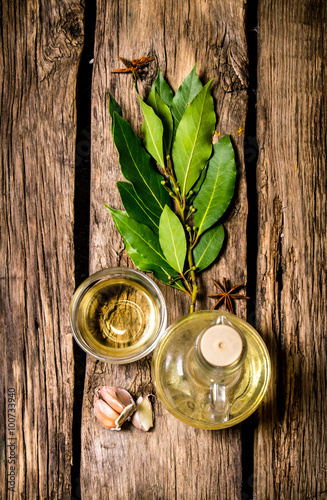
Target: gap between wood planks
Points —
{"points": [[82, 219], [82, 223], [250, 157]]}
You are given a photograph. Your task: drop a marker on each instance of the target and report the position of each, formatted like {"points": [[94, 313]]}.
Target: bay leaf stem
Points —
{"points": [[181, 204], [193, 279]]}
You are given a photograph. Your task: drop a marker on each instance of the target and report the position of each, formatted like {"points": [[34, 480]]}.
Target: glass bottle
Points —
{"points": [[211, 369]]}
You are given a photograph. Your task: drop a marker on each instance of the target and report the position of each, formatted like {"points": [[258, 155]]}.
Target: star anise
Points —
{"points": [[226, 295], [135, 66]]}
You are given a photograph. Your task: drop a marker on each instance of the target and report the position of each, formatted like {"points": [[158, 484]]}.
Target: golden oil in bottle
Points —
{"points": [[189, 397], [117, 317]]}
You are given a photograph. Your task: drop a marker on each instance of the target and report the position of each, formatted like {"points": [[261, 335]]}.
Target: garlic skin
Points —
{"points": [[143, 416], [112, 406]]}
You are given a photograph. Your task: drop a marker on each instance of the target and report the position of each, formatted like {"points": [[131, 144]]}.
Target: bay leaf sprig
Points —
{"points": [[178, 186]]}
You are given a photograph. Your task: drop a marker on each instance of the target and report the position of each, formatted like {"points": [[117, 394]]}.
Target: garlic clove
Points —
{"points": [[124, 396], [108, 394], [143, 416], [104, 413], [117, 398], [112, 406], [126, 414]]}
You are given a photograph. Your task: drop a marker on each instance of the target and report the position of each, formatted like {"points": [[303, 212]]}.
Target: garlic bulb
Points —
{"points": [[112, 406], [143, 416]]}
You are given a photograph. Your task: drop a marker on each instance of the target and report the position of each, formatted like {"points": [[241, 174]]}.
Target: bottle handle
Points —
{"points": [[219, 405]]}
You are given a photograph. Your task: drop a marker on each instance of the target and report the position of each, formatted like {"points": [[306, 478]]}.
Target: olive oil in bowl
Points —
{"points": [[117, 315]]}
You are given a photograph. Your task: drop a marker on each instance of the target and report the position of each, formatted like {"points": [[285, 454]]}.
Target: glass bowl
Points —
{"points": [[118, 315]]}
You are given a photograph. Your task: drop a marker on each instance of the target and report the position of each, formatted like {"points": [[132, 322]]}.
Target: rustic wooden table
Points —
{"points": [[59, 166]]}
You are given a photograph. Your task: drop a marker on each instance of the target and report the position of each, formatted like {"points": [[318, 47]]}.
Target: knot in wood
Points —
{"points": [[73, 27], [62, 40], [234, 69]]}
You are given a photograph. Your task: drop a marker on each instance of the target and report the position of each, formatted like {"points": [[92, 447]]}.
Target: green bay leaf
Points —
{"points": [[208, 247], [152, 129], [193, 142], [218, 187], [162, 274], [136, 208], [142, 245], [113, 106], [189, 88], [162, 111], [146, 265], [163, 89], [172, 239], [136, 166], [197, 186]]}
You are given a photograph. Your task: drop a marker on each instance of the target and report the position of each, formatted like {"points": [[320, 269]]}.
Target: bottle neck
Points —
{"points": [[218, 354]]}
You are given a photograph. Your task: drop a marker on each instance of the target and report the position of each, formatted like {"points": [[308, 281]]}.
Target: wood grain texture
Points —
{"points": [[290, 444], [40, 48], [173, 460]]}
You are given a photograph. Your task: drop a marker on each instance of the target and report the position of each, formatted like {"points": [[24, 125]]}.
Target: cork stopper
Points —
{"points": [[221, 345]]}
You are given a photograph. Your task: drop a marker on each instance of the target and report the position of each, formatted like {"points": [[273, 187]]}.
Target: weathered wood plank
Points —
{"points": [[290, 445], [40, 48], [172, 461]]}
